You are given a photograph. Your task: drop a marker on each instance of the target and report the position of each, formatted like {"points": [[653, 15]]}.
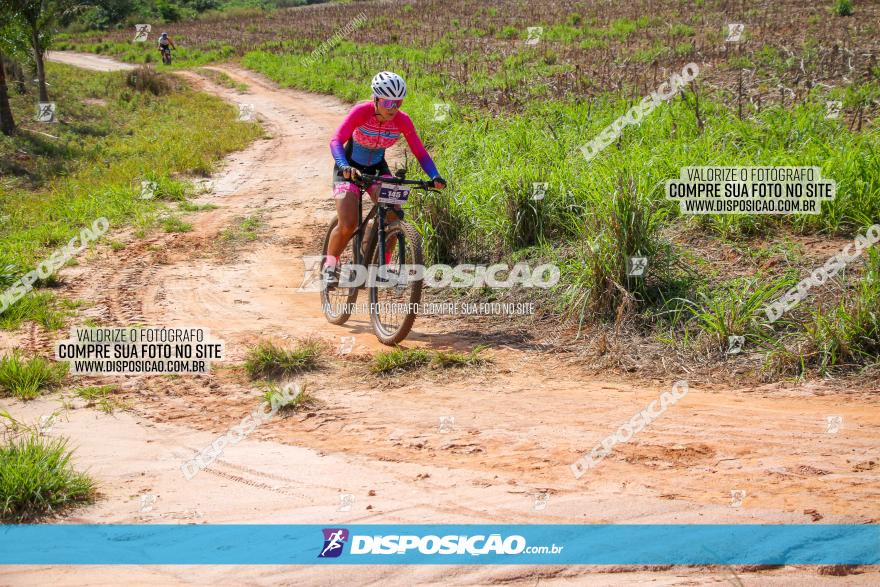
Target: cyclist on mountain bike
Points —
{"points": [[358, 146], [165, 41]]}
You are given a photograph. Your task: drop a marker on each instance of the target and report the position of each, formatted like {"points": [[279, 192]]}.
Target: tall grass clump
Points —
{"points": [[597, 282], [37, 306], [147, 79], [25, 378], [302, 398], [36, 475], [849, 332], [102, 397], [736, 308], [399, 360], [242, 230], [268, 360]]}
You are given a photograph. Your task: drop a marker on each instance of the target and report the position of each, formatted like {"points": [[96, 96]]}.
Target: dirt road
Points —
{"points": [[518, 424]]}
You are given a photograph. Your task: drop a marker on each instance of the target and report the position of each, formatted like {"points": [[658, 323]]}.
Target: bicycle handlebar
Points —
{"points": [[367, 180]]}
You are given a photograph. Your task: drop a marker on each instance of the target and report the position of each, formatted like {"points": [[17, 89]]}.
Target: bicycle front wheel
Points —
{"points": [[393, 301]]}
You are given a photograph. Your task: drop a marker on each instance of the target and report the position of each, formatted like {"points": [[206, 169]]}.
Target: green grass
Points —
{"points": [[243, 230], [112, 138], [175, 224], [680, 29], [596, 214], [223, 79], [303, 399], [94, 393], [847, 334], [486, 176], [26, 378], [843, 7], [596, 282], [41, 307], [102, 398], [451, 359], [648, 55], [734, 309], [399, 360], [146, 53], [268, 360], [187, 206], [37, 478]]}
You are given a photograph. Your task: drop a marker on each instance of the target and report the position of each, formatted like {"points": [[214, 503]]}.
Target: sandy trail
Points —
{"points": [[518, 424], [88, 61]]}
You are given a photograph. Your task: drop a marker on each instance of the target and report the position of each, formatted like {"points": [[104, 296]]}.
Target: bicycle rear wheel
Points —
{"points": [[337, 302], [392, 307]]}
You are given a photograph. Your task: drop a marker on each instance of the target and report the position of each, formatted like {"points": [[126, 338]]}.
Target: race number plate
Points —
{"points": [[391, 193]]}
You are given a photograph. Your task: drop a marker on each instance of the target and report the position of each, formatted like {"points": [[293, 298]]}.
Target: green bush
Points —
{"points": [[843, 7], [508, 32], [169, 11]]}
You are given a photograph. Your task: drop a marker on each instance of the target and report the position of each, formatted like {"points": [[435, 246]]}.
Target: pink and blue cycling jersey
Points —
{"points": [[370, 137]]}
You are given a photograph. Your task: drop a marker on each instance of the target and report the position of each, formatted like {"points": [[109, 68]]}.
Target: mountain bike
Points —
{"points": [[166, 55], [393, 295]]}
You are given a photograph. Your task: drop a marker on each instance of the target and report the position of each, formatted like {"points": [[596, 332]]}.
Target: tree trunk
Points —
{"points": [[18, 76], [7, 124], [41, 70]]}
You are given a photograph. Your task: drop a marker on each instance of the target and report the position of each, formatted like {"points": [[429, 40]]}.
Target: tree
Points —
{"points": [[15, 48], [40, 20], [7, 123], [106, 13], [11, 43]]}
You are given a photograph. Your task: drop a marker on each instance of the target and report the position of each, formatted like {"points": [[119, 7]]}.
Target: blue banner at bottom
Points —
{"points": [[680, 544]]}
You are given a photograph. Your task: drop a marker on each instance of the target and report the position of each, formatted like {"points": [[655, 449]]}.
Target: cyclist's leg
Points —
{"points": [[347, 196], [381, 170]]}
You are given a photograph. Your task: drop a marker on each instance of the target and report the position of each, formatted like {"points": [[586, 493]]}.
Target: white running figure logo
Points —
{"points": [[335, 542]]}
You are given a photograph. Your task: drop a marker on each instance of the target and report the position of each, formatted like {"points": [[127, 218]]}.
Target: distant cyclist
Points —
{"points": [[358, 146], [166, 44]]}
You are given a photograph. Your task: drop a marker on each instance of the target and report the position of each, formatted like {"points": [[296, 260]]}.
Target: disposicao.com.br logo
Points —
{"points": [[393, 544], [334, 541]]}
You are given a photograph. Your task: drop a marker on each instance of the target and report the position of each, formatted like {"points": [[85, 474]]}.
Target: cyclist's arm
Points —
{"points": [[358, 115], [415, 145]]}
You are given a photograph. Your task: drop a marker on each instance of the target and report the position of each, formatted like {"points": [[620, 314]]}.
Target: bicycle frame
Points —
{"points": [[379, 210]]}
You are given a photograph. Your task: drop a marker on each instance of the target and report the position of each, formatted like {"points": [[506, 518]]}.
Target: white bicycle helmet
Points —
{"points": [[388, 85]]}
